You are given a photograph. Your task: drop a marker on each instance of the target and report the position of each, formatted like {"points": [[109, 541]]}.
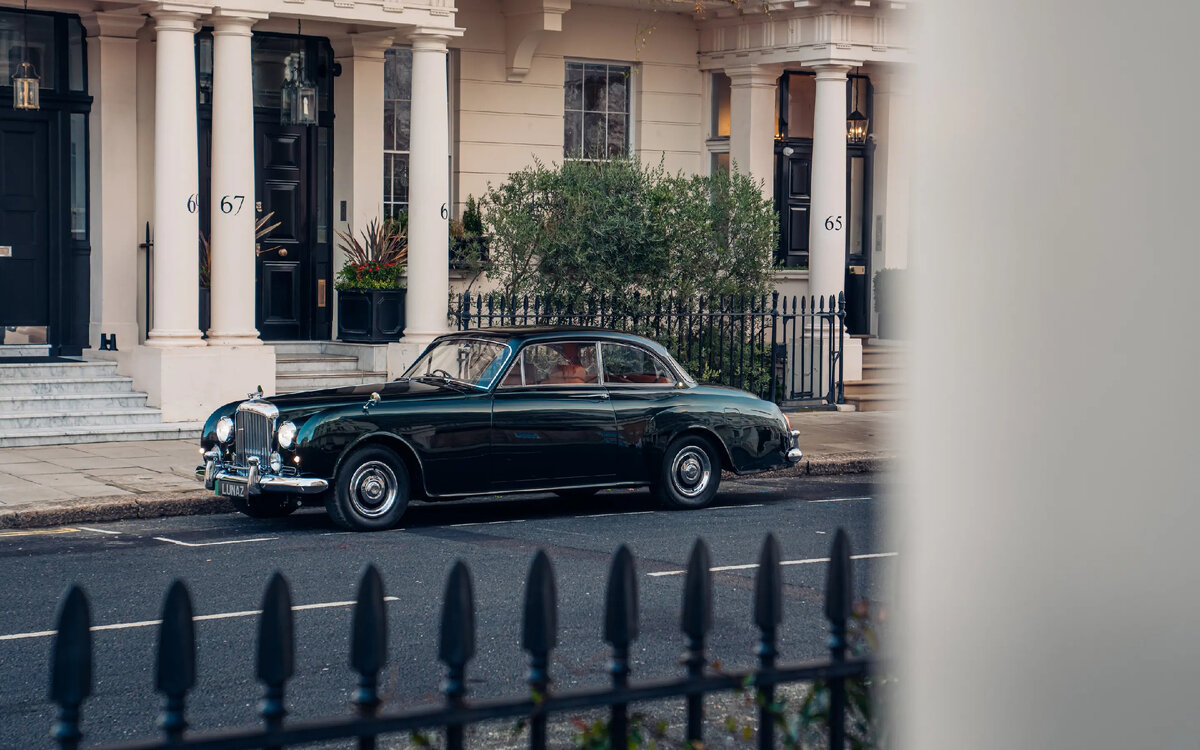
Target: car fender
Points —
{"points": [[392, 440]]}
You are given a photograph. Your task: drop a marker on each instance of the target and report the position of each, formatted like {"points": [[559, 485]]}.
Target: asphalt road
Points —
{"points": [[226, 560]]}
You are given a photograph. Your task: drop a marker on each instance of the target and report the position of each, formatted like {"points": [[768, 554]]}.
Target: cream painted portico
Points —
{"points": [[184, 372]]}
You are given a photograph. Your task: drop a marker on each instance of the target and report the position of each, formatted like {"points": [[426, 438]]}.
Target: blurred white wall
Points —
{"points": [[1048, 512]]}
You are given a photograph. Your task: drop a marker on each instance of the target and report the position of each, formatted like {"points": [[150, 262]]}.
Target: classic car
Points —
{"points": [[500, 410]]}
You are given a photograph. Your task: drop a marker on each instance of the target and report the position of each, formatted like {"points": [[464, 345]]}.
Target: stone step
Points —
{"points": [[877, 402], [311, 381], [872, 386], [119, 433], [49, 420], [24, 350], [64, 386], [10, 373], [290, 365], [70, 403]]}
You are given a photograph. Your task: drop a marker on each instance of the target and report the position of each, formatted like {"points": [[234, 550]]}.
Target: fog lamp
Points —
{"points": [[276, 461]]}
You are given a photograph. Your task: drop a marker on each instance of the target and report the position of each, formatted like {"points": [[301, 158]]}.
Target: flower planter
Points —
{"points": [[371, 316]]}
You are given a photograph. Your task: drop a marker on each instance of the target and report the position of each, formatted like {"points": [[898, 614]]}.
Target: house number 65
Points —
{"points": [[833, 223]]}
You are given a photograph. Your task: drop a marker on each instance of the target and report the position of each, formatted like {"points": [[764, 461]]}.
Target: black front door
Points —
{"points": [[24, 220], [794, 198], [284, 264]]}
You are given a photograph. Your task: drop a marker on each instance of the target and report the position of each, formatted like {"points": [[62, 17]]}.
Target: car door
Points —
{"points": [[639, 385], [552, 420]]}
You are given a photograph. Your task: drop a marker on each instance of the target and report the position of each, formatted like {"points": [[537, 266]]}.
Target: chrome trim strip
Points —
{"points": [[794, 453]]}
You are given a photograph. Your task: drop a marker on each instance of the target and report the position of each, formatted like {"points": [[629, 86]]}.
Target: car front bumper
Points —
{"points": [[253, 480], [794, 453]]}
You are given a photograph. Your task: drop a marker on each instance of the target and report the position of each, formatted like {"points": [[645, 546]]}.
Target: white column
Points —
{"points": [[232, 199], [827, 241], [752, 122], [112, 66], [428, 201], [176, 184]]}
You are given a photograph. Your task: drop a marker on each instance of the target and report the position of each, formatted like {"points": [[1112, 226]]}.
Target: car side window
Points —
{"points": [[633, 365], [566, 363]]}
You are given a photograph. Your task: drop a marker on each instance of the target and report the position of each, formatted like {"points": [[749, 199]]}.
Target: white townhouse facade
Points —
{"points": [[168, 130]]}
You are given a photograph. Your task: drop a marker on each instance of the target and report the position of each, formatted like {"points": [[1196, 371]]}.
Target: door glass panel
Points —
{"points": [[802, 101], [40, 48], [629, 364], [566, 363], [77, 81], [79, 175], [324, 173], [854, 211]]}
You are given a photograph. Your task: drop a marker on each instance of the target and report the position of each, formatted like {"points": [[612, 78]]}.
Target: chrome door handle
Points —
{"points": [[600, 396]]}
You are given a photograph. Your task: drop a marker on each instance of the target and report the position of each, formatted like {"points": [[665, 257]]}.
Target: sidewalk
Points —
{"points": [[52, 485]]}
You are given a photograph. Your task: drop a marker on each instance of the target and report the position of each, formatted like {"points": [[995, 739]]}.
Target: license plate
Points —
{"points": [[231, 489]]}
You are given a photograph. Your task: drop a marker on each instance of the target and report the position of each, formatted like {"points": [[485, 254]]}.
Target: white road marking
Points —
{"points": [[628, 513], [752, 566], [841, 499], [197, 618], [100, 531], [489, 523], [215, 544]]}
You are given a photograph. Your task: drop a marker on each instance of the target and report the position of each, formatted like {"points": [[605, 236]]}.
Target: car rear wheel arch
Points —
{"points": [[711, 436]]}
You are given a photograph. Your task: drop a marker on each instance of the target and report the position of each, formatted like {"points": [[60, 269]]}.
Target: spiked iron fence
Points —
{"points": [[71, 668], [780, 348]]}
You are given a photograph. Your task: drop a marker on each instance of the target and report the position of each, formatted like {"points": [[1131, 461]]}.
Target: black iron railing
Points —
{"points": [[71, 669], [782, 349]]}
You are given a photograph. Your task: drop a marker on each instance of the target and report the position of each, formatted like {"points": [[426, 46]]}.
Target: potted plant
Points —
{"points": [[468, 243], [370, 285]]}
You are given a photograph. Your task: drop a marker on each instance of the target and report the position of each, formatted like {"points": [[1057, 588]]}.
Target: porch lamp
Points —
{"points": [[25, 81], [298, 99], [856, 123]]}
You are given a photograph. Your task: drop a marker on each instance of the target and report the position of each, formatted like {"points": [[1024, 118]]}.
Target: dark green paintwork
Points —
{"points": [[459, 440]]}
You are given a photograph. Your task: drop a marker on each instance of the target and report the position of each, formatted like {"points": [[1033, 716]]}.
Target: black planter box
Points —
{"points": [[374, 316]]}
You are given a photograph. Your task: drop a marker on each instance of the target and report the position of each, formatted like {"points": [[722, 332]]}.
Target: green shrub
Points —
{"points": [[583, 229]]}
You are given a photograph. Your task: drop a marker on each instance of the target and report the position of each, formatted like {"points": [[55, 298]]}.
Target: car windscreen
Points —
{"points": [[474, 362]]}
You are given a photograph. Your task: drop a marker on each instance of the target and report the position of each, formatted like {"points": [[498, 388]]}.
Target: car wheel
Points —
{"points": [[270, 507], [371, 491], [690, 473], [581, 493]]}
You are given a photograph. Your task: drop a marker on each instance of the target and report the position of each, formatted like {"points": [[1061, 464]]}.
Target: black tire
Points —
{"points": [[689, 475], [266, 506], [579, 493], [371, 490]]}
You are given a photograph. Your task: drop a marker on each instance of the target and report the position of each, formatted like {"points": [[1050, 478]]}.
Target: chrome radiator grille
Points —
{"points": [[253, 429]]}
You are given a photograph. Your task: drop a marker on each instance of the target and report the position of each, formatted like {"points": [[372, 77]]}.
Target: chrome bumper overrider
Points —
{"points": [[794, 454], [255, 480]]}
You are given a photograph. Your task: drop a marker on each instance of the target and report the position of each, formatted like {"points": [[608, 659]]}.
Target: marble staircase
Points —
{"points": [[310, 365], [58, 402]]}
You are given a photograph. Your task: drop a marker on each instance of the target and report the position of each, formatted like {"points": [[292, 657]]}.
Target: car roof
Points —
{"points": [[538, 332]]}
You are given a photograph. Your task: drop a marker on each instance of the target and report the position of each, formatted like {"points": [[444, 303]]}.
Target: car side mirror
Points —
{"points": [[372, 401]]}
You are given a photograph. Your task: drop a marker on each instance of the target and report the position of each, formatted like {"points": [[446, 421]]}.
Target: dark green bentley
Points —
{"points": [[567, 410]]}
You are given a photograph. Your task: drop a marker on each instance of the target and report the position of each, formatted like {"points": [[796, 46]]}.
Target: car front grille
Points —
{"points": [[254, 424]]}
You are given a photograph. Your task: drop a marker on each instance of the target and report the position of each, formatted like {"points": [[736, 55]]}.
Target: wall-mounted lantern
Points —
{"points": [[856, 123], [25, 81], [298, 99]]}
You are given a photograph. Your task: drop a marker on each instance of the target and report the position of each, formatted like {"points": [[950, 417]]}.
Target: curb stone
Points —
{"points": [[202, 502]]}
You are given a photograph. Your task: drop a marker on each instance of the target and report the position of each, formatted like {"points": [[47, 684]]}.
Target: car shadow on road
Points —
{"points": [[496, 509]]}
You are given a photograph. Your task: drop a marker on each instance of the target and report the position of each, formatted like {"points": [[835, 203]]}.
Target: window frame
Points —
{"points": [[630, 141], [389, 197], [675, 379], [677, 374]]}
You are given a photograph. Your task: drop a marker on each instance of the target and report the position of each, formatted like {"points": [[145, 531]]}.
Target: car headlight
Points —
{"points": [[286, 435], [224, 429]]}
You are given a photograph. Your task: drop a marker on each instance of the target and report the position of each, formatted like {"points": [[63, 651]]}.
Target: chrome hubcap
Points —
{"points": [[691, 471], [373, 489]]}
